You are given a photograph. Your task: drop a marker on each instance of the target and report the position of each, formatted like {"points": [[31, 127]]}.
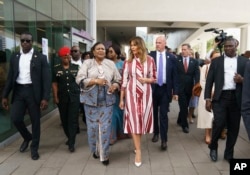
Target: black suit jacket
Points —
{"points": [[245, 106], [216, 76], [189, 78], [40, 76], [171, 74]]}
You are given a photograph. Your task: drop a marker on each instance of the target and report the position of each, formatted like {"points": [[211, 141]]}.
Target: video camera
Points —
{"points": [[220, 39]]}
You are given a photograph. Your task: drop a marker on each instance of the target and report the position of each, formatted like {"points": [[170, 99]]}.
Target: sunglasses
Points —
{"points": [[25, 40], [74, 51]]}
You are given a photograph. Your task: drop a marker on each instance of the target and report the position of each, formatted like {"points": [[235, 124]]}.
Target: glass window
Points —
{"points": [[25, 21], [58, 13], [44, 30], [29, 3], [7, 46], [44, 6], [67, 13]]}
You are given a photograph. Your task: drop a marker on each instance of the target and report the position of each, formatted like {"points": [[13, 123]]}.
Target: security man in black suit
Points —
{"points": [[245, 108], [188, 74], [226, 74], [66, 93], [30, 79], [163, 91]]}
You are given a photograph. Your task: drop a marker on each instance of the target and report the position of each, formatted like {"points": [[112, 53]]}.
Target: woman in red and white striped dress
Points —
{"points": [[139, 71]]}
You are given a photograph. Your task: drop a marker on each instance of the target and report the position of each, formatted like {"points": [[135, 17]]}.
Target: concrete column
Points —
{"points": [[245, 39], [93, 19]]}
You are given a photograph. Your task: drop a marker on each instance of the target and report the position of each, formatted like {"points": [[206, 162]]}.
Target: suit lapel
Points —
{"points": [[154, 56], [180, 62], [168, 66], [221, 70], [238, 64], [190, 64], [17, 62], [32, 61]]}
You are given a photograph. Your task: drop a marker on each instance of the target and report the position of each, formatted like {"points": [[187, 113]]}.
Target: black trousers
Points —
{"points": [[226, 111], [69, 112], [161, 103], [24, 100], [183, 100]]}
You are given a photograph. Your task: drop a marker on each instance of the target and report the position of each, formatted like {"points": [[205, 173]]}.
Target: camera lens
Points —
{"points": [[218, 39]]}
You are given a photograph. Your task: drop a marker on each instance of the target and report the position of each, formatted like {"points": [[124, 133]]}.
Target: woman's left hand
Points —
{"points": [[112, 89], [143, 80]]}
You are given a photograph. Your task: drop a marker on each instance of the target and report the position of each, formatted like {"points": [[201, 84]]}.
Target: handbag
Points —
{"points": [[197, 89]]}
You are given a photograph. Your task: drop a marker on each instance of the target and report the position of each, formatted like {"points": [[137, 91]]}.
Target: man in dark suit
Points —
{"points": [[245, 106], [188, 74], [226, 74], [30, 79], [163, 90]]}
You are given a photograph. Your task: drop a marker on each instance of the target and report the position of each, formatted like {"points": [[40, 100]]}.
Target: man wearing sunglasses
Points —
{"points": [[30, 79], [76, 56]]}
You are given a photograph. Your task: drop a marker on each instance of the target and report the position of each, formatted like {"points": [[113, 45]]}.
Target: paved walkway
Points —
{"points": [[187, 154]]}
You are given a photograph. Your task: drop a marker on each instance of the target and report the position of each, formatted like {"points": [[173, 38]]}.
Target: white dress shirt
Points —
{"points": [[78, 62], [24, 67], [230, 68]]}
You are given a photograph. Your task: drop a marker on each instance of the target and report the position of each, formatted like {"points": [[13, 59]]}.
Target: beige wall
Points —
{"points": [[174, 10]]}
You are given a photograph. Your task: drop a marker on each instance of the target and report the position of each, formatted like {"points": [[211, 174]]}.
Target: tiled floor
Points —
{"points": [[187, 154]]}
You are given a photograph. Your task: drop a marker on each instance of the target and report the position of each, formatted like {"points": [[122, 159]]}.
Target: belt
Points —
{"points": [[24, 85], [229, 91]]}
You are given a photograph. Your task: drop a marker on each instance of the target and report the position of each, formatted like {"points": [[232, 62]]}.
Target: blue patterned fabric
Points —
{"points": [[99, 124]]}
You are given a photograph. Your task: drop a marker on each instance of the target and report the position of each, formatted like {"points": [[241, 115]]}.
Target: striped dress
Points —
{"points": [[138, 111]]}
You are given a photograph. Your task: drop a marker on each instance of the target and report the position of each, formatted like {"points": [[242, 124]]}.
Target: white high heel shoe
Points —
{"points": [[138, 164]]}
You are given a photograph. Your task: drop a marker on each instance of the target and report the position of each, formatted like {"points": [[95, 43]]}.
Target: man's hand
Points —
{"points": [[208, 105], [5, 103], [238, 78], [44, 104], [175, 97]]}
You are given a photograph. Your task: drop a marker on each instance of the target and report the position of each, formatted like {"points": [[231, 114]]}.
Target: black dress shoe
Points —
{"points": [[95, 156], [228, 159], [163, 146], [72, 148], [213, 155], [24, 145], [155, 138], [35, 155], [105, 162], [185, 129]]}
